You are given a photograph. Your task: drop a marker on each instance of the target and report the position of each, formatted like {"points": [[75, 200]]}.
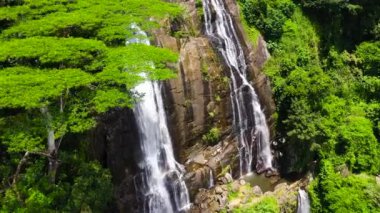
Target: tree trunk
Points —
{"points": [[52, 146]]}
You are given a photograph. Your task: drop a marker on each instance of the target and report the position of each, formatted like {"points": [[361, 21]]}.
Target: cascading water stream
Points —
{"points": [[159, 185], [211, 179], [248, 119], [303, 202]]}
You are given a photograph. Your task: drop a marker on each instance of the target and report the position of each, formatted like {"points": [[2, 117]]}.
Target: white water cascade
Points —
{"points": [[303, 202], [211, 179], [248, 118], [159, 185]]}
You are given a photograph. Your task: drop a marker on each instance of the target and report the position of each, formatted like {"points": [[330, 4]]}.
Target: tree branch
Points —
{"points": [[23, 160], [19, 167], [58, 144]]}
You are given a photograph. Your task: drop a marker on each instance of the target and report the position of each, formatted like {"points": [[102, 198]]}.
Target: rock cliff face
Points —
{"points": [[198, 101], [112, 143], [194, 98], [200, 94], [198, 109]]}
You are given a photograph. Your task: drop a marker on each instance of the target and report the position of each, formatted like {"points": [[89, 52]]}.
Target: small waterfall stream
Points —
{"points": [[303, 202], [211, 179], [248, 119], [159, 185]]}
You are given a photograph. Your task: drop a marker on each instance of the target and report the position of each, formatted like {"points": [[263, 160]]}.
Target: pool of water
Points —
{"points": [[266, 184]]}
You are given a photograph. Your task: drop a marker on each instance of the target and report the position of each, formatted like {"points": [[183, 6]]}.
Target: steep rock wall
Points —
{"points": [[200, 76], [256, 58], [113, 142], [198, 99], [196, 102]]}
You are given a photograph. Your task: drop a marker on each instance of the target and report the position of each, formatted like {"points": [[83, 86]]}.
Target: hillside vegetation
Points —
{"points": [[325, 74], [63, 63]]}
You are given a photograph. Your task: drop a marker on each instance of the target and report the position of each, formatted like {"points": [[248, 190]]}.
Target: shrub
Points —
{"points": [[268, 16], [266, 205], [212, 137], [332, 192]]}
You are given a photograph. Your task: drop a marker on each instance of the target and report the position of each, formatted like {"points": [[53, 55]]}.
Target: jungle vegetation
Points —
{"points": [[64, 63], [325, 75]]}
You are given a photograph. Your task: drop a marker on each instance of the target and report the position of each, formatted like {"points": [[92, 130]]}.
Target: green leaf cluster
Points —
{"points": [[327, 104], [24, 87]]}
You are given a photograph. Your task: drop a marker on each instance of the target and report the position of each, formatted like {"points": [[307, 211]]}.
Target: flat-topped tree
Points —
{"points": [[108, 21]]}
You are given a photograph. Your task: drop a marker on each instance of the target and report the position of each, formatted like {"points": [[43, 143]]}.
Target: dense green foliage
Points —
{"points": [[87, 186], [325, 78], [62, 64], [344, 23], [268, 16], [265, 205], [333, 193]]}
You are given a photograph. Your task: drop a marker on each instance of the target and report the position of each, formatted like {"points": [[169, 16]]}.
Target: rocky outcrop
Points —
{"points": [[220, 159], [242, 194], [213, 200], [113, 142], [199, 116], [191, 97], [198, 99]]}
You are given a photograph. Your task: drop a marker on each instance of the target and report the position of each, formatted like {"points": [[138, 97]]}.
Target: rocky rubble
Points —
{"points": [[239, 193]]}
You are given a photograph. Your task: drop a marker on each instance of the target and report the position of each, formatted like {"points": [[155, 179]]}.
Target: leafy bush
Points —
{"points": [[265, 205], [332, 192], [212, 136], [369, 56], [299, 84], [89, 187], [268, 16]]}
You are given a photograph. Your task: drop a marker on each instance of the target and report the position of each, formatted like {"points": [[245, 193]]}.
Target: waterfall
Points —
{"points": [[211, 179], [159, 185], [303, 202], [248, 118]]}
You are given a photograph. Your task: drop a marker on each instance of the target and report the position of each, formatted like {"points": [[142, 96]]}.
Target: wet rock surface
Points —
{"points": [[257, 54], [220, 159], [112, 143], [198, 99]]}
